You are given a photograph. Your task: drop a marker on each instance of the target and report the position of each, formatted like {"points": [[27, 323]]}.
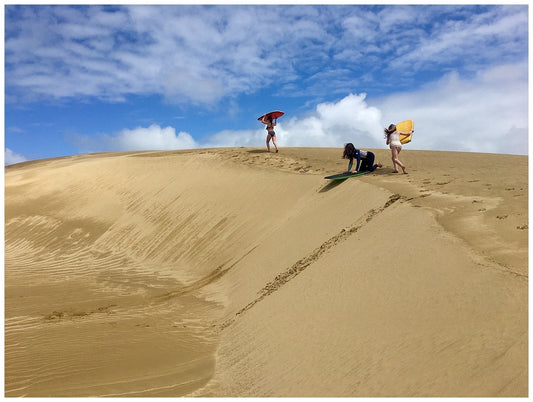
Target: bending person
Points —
{"points": [[365, 159]]}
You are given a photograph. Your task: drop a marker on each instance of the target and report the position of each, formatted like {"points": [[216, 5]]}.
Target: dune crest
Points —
{"points": [[234, 272]]}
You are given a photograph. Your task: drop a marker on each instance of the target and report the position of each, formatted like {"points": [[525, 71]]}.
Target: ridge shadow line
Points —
{"points": [[306, 261]]}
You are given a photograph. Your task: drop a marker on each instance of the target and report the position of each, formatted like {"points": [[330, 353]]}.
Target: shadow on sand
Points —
{"points": [[331, 185]]}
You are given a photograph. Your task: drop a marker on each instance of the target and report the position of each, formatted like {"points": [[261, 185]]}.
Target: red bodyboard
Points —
{"points": [[275, 114]]}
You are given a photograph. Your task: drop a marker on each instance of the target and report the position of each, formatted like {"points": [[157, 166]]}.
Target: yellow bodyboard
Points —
{"points": [[405, 127]]}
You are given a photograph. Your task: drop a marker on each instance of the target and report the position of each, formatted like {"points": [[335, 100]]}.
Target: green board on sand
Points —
{"points": [[342, 176]]}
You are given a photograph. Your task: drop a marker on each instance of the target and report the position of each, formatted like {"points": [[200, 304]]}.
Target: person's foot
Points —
{"points": [[277, 150], [394, 171], [379, 165]]}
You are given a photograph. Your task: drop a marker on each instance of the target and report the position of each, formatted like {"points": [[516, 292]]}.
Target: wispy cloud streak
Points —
{"points": [[202, 54]]}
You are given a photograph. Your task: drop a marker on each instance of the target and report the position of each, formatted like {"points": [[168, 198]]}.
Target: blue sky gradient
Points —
{"points": [[91, 78]]}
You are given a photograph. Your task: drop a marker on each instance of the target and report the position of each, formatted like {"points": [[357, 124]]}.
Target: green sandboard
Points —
{"points": [[342, 176]]}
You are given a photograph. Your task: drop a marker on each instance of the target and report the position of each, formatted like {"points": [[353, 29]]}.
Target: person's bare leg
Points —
{"points": [[274, 142], [396, 161], [393, 153]]}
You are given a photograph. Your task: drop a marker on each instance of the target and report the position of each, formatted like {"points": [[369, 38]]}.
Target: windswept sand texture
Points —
{"points": [[234, 272]]}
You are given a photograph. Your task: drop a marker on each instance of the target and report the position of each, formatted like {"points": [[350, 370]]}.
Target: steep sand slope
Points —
{"points": [[233, 272], [393, 305]]}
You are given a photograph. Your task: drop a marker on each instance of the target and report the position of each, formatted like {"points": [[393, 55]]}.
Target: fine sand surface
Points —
{"points": [[235, 272]]}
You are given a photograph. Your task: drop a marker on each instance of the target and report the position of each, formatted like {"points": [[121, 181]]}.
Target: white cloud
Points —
{"points": [[487, 113], [11, 157], [330, 124], [149, 138], [188, 54], [153, 137], [333, 124], [199, 55], [196, 54], [236, 138]]}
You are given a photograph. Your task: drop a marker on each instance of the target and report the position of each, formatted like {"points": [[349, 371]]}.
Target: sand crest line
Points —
{"points": [[305, 262]]}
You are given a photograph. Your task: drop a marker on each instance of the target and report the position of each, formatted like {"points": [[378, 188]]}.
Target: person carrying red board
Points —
{"points": [[270, 120], [271, 134]]}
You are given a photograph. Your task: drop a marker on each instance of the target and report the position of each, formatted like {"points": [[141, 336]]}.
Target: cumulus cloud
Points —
{"points": [[11, 157], [149, 138], [486, 113], [328, 125], [153, 137], [332, 124]]}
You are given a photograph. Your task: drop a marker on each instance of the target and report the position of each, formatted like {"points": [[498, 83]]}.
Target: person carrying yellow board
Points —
{"points": [[395, 139]]}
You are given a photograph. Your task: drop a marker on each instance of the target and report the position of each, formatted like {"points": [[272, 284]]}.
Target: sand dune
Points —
{"points": [[235, 272]]}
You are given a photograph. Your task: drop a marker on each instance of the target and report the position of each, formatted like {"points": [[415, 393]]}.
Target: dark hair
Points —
{"points": [[390, 130], [349, 151]]}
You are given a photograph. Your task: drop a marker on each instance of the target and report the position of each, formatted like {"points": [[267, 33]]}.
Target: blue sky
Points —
{"points": [[91, 78]]}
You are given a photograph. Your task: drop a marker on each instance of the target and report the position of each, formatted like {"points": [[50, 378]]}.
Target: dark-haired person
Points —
{"points": [[271, 134], [365, 159], [393, 141]]}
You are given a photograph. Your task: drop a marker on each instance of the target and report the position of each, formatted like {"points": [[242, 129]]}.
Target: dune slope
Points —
{"points": [[233, 272]]}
